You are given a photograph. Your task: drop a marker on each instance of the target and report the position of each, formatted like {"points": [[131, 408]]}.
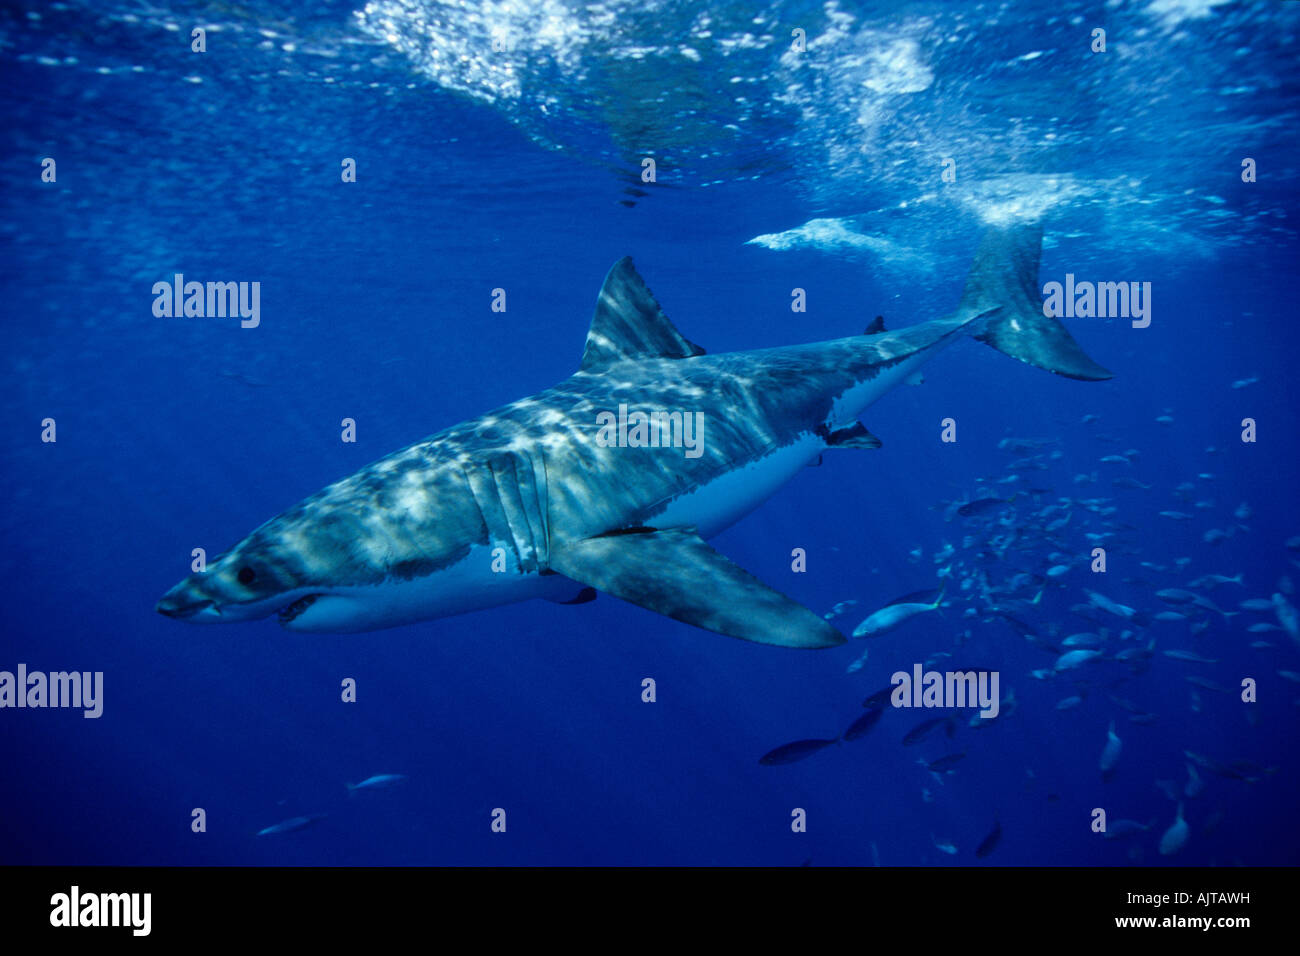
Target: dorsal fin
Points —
{"points": [[629, 323], [876, 327]]}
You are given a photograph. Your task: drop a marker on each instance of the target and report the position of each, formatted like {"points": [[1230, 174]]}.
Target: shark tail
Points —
{"points": [[1005, 275]]}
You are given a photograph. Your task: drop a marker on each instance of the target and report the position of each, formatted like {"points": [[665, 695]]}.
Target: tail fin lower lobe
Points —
{"points": [[1005, 273]]}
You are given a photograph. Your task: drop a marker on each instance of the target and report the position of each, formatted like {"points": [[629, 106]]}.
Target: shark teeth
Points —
{"points": [[297, 607]]}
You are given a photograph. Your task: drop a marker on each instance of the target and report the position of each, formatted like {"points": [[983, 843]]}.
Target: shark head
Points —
{"points": [[251, 581], [383, 547], [354, 558]]}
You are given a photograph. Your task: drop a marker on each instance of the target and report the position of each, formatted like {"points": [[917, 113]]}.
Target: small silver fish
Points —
{"points": [[896, 612], [1212, 581], [1074, 659], [1181, 655], [379, 781], [1082, 640], [1110, 753], [944, 846], [292, 824], [796, 751], [1119, 829], [1175, 837]]}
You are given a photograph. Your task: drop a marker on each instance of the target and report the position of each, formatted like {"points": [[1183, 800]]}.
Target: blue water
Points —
{"points": [[481, 170]]}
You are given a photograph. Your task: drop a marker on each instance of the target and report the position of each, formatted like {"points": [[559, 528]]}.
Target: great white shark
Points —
{"points": [[533, 500]]}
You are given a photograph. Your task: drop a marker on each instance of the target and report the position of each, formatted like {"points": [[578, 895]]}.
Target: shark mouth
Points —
{"points": [[182, 612], [287, 614]]}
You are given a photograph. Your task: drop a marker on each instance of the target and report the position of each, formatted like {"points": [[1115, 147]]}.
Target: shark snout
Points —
{"points": [[187, 602]]}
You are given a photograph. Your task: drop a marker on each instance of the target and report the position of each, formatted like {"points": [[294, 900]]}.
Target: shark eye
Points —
{"points": [[246, 576]]}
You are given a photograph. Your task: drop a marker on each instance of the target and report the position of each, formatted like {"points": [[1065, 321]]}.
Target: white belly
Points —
{"points": [[713, 507], [470, 585]]}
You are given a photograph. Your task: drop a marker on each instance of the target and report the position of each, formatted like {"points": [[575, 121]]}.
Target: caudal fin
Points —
{"points": [[1005, 274]]}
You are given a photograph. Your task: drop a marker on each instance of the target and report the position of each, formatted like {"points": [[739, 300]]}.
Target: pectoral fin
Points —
{"points": [[676, 574]]}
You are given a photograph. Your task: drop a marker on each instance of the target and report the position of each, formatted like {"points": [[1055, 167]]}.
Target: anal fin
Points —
{"points": [[675, 573]]}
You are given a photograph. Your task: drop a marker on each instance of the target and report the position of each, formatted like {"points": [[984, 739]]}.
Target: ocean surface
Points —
{"points": [[500, 145]]}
